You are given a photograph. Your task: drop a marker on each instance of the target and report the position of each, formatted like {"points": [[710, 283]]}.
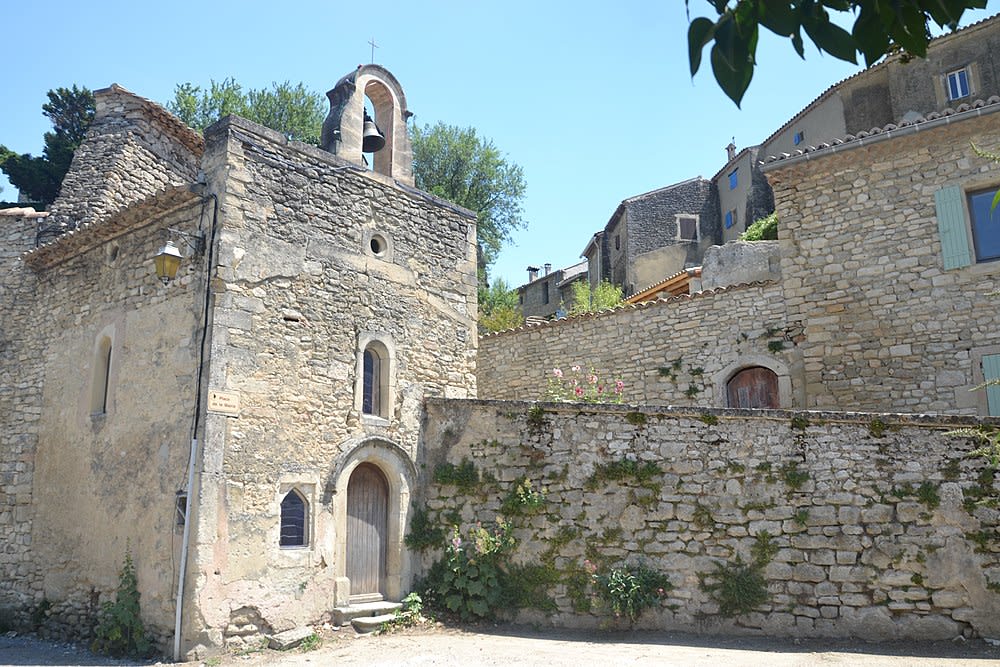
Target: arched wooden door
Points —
{"points": [[367, 534], [755, 387]]}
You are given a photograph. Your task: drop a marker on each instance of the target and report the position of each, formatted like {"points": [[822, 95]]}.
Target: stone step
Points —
{"points": [[364, 624], [344, 615]]}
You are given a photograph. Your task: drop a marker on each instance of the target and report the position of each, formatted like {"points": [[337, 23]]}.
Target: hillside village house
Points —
{"points": [[260, 429]]}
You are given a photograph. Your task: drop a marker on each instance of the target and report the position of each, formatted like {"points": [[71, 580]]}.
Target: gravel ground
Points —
{"points": [[493, 647]]}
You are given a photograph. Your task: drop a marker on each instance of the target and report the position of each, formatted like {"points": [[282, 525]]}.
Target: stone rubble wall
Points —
{"points": [[886, 326], [134, 148], [678, 351], [880, 526], [20, 408]]}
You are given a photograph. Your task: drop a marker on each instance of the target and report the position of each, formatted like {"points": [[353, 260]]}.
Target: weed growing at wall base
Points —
{"points": [[120, 631], [630, 589]]}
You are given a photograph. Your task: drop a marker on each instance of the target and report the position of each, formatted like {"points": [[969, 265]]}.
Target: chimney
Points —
{"points": [[731, 151], [548, 268], [532, 273]]}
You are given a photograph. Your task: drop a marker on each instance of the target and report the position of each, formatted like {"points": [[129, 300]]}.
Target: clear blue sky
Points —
{"points": [[593, 100]]}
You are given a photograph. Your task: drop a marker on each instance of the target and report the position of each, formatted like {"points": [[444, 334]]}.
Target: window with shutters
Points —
{"points": [[985, 223], [958, 84], [294, 515], [968, 225]]}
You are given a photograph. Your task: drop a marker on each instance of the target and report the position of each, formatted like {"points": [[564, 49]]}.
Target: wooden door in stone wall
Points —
{"points": [[755, 387], [367, 519]]}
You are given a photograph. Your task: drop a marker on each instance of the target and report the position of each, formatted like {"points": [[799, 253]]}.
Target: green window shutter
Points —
{"points": [[951, 226], [991, 371]]}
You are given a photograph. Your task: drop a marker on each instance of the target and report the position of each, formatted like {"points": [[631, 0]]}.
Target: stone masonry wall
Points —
{"points": [[679, 351], [862, 525], [103, 481], [886, 326], [20, 407], [134, 148], [299, 290]]}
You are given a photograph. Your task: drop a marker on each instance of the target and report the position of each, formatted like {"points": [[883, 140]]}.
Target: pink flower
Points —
{"points": [[589, 567], [456, 541], [592, 379], [575, 368], [619, 387], [600, 389], [557, 372], [578, 391]]}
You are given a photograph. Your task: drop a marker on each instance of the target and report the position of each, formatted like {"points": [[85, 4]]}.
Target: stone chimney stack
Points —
{"points": [[731, 151], [548, 268], [532, 273]]}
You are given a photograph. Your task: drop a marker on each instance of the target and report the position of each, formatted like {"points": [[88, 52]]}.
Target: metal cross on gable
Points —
{"points": [[374, 46]]}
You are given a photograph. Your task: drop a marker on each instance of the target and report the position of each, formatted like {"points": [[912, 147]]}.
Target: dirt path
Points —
{"points": [[495, 647], [552, 648]]}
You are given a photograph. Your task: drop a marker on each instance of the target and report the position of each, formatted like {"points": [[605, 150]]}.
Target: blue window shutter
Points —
{"points": [[991, 371], [951, 227]]}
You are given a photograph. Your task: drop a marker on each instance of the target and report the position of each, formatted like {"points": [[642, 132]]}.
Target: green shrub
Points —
{"points": [[470, 579], [120, 631], [764, 229], [629, 590], [738, 588]]}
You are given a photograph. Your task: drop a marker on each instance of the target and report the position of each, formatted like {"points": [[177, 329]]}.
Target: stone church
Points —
{"points": [[247, 429]]}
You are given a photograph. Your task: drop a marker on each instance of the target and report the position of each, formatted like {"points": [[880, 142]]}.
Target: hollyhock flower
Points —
{"points": [[578, 391], [557, 372]]}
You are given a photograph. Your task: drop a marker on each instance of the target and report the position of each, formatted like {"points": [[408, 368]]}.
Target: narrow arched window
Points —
{"points": [[372, 390], [100, 383], [294, 512]]}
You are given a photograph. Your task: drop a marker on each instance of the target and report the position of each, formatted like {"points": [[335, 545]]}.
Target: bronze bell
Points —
{"points": [[372, 139]]}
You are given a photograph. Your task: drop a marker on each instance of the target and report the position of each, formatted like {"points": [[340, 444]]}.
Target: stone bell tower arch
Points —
{"points": [[343, 129]]}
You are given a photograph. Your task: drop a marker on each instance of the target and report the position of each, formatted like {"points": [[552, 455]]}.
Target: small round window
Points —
{"points": [[377, 244]]}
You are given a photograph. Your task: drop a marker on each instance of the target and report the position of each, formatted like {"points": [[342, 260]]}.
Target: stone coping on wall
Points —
{"points": [[932, 120], [236, 124], [90, 235], [630, 306], [171, 124], [923, 420]]}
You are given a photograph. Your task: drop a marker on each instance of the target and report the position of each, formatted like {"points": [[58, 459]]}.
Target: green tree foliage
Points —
{"points": [[71, 111], [880, 27], [605, 296], [498, 307], [457, 165], [764, 229], [290, 109]]}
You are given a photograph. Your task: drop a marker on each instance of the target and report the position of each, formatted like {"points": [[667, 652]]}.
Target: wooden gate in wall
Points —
{"points": [[755, 387], [367, 520]]}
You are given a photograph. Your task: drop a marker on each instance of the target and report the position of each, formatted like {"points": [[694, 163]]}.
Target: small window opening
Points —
{"points": [[799, 137], [545, 292], [377, 244], [293, 520], [180, 508], [371, 398], [687, 228], [102, 378], [618, 242], [734, 179], [958, 84]]}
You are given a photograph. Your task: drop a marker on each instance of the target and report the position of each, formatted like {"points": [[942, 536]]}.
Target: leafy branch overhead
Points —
{"points": [[880, 27]]}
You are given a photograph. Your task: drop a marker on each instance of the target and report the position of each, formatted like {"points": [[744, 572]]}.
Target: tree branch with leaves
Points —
{"points": [[880, 27]]}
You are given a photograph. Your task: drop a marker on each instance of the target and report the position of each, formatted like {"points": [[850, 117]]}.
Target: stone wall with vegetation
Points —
{"points": [[785, 523], [886, 326], [679, 351]]}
